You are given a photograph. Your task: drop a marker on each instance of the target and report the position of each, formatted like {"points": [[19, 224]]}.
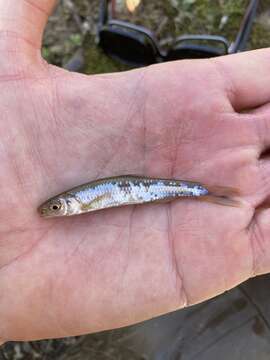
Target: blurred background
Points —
{"points": [[235, 325], [74, 26]]}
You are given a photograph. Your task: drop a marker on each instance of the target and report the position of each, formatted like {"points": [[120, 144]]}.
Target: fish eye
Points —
{"points": [[55, 207]]}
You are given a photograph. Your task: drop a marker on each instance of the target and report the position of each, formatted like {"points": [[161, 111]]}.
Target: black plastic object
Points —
{"points": [[135, 49], [136, 45]]}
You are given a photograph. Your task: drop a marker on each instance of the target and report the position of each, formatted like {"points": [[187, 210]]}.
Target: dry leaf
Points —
{"points": [[132, 4]]}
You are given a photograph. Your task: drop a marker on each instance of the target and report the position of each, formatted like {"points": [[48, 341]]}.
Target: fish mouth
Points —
{"points": [[42, 211]]}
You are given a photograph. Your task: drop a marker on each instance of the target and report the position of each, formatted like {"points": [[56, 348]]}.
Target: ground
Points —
{"points": [[73, 27]]}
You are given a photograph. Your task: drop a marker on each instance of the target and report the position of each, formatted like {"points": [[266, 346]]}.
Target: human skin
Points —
{"points": [[207, 121]]}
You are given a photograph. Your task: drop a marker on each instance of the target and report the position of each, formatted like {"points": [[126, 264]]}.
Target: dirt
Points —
{"points": [[73, 27], [102, 346]]}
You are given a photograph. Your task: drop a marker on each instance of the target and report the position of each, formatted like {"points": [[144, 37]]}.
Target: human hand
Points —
{"points": [[192, 120]]}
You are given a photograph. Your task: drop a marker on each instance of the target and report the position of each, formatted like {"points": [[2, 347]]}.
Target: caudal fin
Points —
{"points": [[222, 195], [221, 200]]}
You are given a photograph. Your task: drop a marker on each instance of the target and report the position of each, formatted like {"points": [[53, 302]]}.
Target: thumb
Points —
{"points": [[23, 20]]}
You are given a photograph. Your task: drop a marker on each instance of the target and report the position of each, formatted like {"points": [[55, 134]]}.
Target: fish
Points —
{"points": [[131, 190]]}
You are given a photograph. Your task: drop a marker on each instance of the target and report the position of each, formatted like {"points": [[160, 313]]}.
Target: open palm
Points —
{"points": [[108, 269]]}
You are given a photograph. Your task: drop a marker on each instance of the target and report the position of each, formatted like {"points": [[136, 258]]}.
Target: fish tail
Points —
{"points": [[223, 191], [220, 200], [223, 195]]}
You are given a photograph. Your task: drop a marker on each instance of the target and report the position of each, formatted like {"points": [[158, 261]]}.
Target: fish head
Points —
{"points": [[64, 205]]}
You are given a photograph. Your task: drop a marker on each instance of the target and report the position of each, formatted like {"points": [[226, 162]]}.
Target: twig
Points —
{"points": [[72, 7]]}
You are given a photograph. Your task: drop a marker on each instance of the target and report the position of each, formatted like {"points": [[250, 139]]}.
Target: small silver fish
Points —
{"points": [[130, 190]]}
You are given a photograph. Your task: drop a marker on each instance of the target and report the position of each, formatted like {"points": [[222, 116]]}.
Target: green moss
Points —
{"points": [[46, 53], [76, 39]]}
